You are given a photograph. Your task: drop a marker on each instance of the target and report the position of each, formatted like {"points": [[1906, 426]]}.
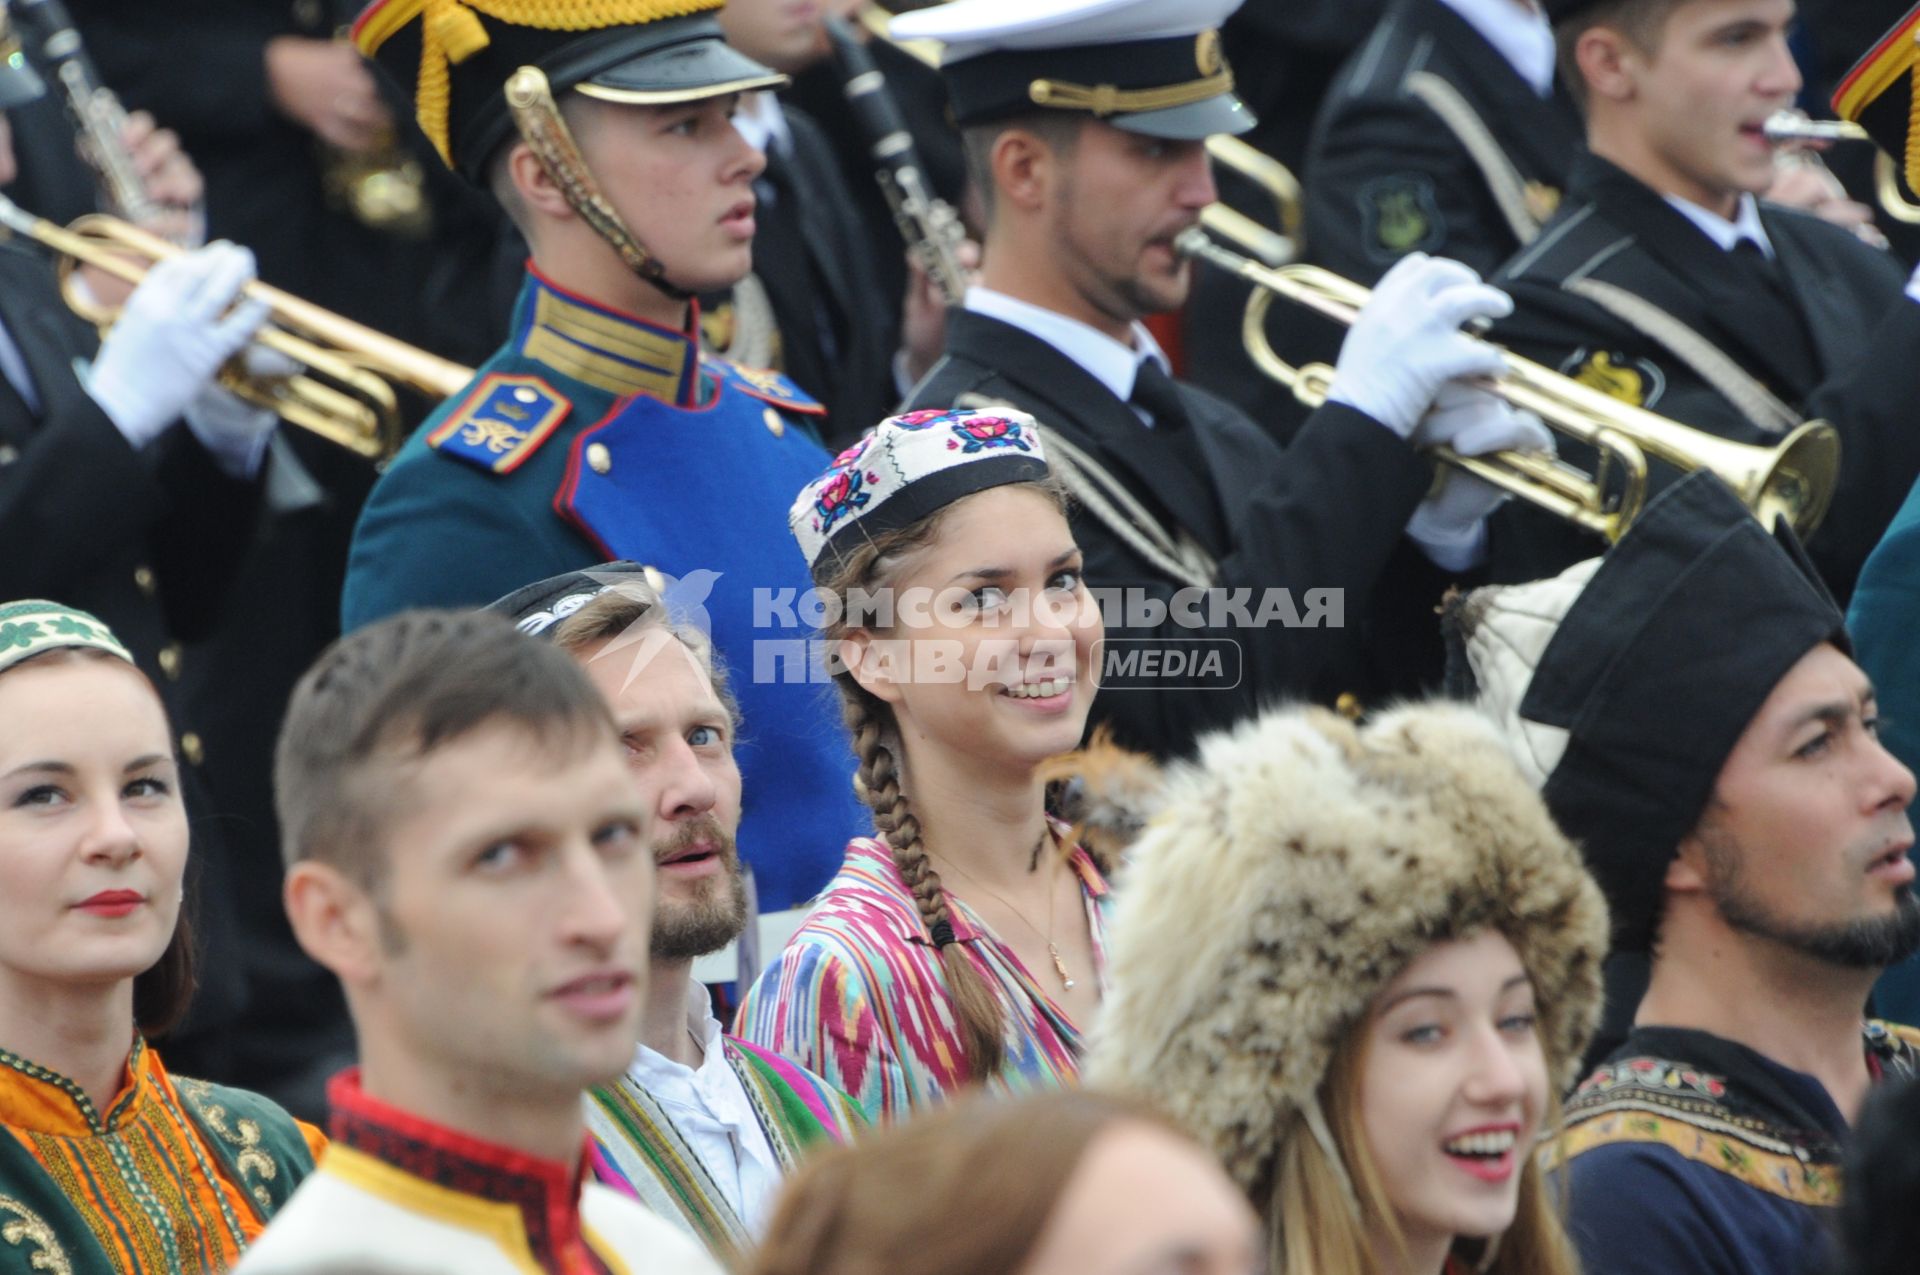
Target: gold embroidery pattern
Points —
{"points": [[497, 437], [256, 1167], [1778, 1173], [763, 379], [27, 1227]]}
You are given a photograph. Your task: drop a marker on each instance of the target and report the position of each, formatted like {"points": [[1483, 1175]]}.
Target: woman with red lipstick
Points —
{"points": [[963, 945], [1363, 988], [107, 1163]]}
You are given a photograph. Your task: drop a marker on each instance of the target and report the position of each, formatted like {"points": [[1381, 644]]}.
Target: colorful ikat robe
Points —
{"points": [[858, 996]]}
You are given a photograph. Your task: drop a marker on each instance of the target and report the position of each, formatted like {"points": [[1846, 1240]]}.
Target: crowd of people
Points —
{"points": [[796, 768]]}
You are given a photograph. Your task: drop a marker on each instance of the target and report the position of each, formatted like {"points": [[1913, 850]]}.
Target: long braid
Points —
{"points": [[976, 1008]]}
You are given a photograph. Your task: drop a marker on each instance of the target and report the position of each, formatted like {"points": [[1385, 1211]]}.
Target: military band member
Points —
{"points": [[1665, 281], [1443, 134], [1085, 126], [1688, 707], [621, 165]]}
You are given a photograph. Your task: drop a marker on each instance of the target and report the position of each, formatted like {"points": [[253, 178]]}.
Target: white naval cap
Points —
{"points": [[1148, 66]]}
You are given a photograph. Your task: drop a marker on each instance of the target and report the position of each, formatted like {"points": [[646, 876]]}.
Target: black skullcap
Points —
{"points": [[538, 607]]}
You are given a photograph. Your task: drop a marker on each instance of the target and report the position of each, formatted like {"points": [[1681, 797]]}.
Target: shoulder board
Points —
{"points": [[502, 419], [766, 385]]}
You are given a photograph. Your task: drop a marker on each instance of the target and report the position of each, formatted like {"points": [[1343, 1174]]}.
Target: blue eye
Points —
{"points": [[500, 856], [1425, 1034], [1067, 581], [1520, 1024]]}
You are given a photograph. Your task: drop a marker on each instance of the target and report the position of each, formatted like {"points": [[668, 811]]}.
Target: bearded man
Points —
{"points": [[1691, 710], [702, 1126]]}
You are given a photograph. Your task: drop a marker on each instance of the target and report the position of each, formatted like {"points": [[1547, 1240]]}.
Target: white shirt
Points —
{"points": [[1519, 33], [763, 122], [1110, 362], [13, 366], [1745, 223], [711, 1110]]}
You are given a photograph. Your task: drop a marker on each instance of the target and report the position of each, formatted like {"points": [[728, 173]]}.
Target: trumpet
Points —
{"points": [[345, 391], [1793, 479], [1789, 127]]}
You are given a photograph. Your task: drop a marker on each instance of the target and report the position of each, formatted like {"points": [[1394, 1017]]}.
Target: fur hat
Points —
{"points": [[1292, 872]]}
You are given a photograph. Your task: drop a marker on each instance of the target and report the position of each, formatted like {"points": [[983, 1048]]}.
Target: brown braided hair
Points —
{"points": [[870, 721]]}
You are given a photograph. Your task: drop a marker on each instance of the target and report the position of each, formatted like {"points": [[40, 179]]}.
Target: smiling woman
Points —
{"points": [[107, 1163], [1399, 969], [965, 944]]}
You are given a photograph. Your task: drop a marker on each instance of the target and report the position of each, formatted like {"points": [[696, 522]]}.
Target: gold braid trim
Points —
{"points": [[1913, 130], [1110, 99], [450, 33]]}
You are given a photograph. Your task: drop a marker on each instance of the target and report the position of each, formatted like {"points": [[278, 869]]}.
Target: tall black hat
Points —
{"points": [[1625, 682]]}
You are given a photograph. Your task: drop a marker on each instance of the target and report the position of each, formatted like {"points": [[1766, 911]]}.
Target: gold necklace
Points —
{"points": [[1059, 966]]}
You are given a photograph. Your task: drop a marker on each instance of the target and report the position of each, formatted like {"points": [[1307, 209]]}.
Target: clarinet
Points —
{"points": [[930, 226], [94, 109]]}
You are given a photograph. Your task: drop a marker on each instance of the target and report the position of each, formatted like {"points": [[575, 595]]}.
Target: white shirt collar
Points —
{"points": [[1519, 33], [1108, 361], [1746, 223], [763, 122]]}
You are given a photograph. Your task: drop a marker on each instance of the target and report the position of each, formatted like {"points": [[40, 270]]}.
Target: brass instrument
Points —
{"points": [[1794, 479], [1790, 127], [1272, 176], [344, 393]]}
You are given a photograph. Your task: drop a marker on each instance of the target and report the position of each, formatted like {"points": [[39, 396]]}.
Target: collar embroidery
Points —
{"points": [[606, 348], [546, 1193]]}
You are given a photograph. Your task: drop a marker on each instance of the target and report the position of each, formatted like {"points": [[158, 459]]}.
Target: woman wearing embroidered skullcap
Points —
{"points": [[1363, 987], [107, 1163], [962, 945]]}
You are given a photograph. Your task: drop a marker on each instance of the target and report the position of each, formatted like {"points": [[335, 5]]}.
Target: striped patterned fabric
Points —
{"points": [[859, 999], [172, 1177]]}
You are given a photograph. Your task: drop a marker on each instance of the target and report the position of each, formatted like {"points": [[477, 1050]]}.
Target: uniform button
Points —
{"points": [[309, 13], [8, 453], [655, 581], [774, 423], [525, 395], [143, 578], [192, 749], [170, 661], [599, 459], [1349, 706]]}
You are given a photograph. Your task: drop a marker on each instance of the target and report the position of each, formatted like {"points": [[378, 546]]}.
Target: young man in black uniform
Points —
{"points": [[1664, 281], [1089, 125], [1443, 134]]}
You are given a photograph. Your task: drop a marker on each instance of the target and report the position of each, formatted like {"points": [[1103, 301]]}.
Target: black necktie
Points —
{"points": [[1184, 486], [1155, 392]]}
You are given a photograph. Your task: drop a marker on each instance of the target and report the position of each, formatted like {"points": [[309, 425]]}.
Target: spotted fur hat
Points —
{"points": [[1291, 873]]}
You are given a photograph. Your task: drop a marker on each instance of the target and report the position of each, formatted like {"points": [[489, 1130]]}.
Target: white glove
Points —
{"points": [[1450, 524], [234, 430], [1407, 341], [173, 335]]}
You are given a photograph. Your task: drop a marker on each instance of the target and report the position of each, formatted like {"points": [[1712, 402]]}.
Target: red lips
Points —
{"points": [[112, 903]]}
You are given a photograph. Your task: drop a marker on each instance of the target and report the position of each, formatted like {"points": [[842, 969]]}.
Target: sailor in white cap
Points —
{"points": [[1085, 124]]}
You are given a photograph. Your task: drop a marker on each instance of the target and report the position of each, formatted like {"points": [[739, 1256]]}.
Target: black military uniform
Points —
{"points": [[1623, 292], [1432, 142], [837, 326], [1326, 513]]}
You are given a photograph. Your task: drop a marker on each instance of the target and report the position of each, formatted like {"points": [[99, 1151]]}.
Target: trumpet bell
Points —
{"points": [[1793, 479]]}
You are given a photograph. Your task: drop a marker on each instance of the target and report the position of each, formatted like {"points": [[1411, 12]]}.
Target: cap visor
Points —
{"points": [[682, 73], [1192, 122]]}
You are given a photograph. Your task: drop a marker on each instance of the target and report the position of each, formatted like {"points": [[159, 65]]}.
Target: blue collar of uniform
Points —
{"points": [[606, 348]]}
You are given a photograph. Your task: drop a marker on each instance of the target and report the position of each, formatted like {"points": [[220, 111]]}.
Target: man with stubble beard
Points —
{"points": [[702, 1126]]}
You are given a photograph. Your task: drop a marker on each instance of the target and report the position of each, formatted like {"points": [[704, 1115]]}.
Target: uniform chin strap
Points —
{"points": [[530, 98]]}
